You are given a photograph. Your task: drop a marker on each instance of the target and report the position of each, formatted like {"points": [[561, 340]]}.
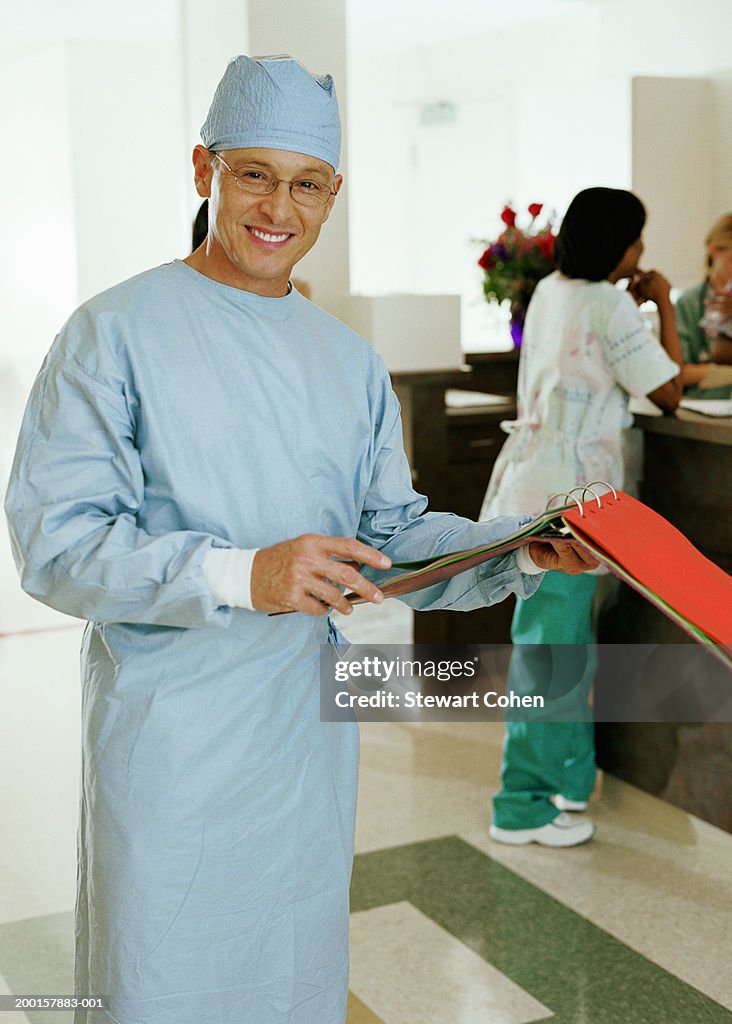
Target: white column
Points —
{"points": [[210, 35], [315, 33], [672, 172], [126, 139], [38, 259], [37, 263], [720, 154]]}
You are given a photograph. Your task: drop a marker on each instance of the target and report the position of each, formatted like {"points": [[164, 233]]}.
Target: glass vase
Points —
{"points": [[518, 316]]}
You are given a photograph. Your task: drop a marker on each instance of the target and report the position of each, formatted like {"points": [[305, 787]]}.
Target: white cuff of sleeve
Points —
{"points": [[229, 574], [525, 562]]}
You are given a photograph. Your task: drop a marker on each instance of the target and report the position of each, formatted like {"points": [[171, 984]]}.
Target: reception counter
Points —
{"points": [[687, 477], [685, 474]]}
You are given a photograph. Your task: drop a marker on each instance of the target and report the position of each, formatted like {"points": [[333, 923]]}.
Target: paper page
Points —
{"points": [[708, 406]]}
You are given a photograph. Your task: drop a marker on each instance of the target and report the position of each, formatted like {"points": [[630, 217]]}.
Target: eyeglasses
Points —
{"points": [[305, 192]]}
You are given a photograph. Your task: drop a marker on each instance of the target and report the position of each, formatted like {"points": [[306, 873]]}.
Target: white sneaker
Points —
{"points": [[563, 804], [564, 830]]}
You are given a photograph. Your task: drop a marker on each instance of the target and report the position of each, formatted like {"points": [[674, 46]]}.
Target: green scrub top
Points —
{"points": [[696, 344]]}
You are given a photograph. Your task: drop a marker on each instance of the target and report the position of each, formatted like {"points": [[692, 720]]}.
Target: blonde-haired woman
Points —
{"points": [[702, 348]]}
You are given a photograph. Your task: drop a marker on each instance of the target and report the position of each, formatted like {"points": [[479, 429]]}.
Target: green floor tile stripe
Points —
{"points": [[584, 975]]}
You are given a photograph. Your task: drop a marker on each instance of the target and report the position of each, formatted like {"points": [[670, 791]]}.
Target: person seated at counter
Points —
{"points": [[704, 316]]}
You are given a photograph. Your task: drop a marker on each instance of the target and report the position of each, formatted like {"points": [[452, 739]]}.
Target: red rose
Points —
{"points": [[535, 209], [486, 261], [508, 216], [545, 244]]}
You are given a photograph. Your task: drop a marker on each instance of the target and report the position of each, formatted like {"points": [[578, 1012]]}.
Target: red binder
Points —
{"points": [[657, 559], [630, 539]]}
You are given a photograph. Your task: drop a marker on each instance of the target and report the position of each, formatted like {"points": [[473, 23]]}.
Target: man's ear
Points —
{"points": [[202, 171], [337, 182]]}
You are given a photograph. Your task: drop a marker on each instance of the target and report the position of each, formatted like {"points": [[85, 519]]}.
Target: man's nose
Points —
{"points": [[279, 199]]}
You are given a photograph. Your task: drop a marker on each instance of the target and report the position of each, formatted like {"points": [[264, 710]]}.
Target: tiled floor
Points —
{"points": [[446, 926]]}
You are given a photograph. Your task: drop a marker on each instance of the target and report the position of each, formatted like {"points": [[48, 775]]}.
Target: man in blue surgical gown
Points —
{"points": [[200, 445]]}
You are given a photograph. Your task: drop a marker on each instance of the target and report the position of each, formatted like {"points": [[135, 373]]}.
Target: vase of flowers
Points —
{"points": [[515, 262]]}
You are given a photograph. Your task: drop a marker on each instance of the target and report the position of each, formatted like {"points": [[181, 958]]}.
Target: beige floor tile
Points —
{"points": [[411, 971], [656, 878]]}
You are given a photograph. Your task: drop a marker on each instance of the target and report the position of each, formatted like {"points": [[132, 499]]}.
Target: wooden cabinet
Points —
{"points": [[452, 452], [474, 439]]}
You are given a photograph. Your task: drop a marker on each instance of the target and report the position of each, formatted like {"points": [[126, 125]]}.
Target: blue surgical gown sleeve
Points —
{"points": [[395, 521], [75, 490]]}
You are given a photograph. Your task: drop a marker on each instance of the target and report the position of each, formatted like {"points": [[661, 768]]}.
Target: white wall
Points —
{"points": [[542, 110], [664, 37], [101, 106], [126, 136], [532, 123], [37, 258], [96, 132]]}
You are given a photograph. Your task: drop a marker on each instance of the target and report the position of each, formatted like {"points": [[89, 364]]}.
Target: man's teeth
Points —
{"points": [[269, 238]]}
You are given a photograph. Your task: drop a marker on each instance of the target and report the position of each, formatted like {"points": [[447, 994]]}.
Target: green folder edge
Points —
{"points": [[513, 540]]}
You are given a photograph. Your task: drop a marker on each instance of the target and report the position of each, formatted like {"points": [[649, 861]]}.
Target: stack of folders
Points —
{"points": [[629, 539]]}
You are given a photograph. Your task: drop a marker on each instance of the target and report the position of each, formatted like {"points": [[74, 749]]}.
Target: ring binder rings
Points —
{"points": [[604, 483], [631, 540], [657, 560], [547, 507]]}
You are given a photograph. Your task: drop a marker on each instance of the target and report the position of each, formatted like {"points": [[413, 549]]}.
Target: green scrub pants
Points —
{"points": [[544, 758]]}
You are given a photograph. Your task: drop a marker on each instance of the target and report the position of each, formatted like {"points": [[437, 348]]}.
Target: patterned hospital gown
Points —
{"points": [[586, 349]]}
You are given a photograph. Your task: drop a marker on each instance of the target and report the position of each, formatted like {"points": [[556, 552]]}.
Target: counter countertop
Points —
{"points": [[689, 425]]}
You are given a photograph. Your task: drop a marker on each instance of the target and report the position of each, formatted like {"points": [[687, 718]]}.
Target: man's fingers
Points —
{"points": [[331, 597], [345, 575], [354, 581], [574, 554], [353, 550], [304, 574], [311, 606], [323, 595], [585, 556], [567, 556]]}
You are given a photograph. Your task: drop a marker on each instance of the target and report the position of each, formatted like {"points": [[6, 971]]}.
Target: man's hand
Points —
{"points": [[302, 575], [562, 556]]}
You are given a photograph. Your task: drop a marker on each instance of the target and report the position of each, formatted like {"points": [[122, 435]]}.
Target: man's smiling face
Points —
{"points": [[254, 241]]}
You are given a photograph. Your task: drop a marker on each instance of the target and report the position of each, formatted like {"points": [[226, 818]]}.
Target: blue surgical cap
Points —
{"points": [[274, 103]]}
